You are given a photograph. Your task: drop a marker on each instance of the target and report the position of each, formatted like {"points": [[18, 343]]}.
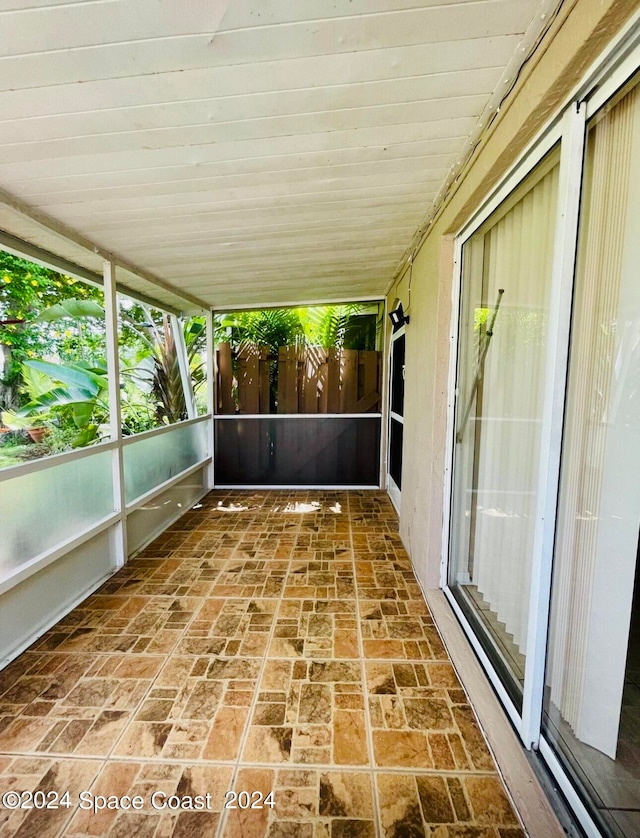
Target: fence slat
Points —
{"points": [[323, 400], [288, 379], [248, 379], [313, 358], [369, 367], [225, 400], [282, 378], [333, 381], [366, 403], [349, 390], [264, 381]]}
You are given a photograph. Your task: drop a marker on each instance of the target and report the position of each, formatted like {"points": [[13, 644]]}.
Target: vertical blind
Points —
{"points": [[600, 486], [499, 410]]}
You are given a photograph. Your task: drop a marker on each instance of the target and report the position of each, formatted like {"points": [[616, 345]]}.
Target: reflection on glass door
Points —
{"points": [[592, 697], [500, 394], [396, 418]]}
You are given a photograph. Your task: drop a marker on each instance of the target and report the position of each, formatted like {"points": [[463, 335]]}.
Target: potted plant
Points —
{"points": [[35, 426], [71, 394]]}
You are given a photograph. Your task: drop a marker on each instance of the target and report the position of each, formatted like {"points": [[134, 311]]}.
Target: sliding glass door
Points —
{"points": [[544, 518], [507, 269], [592, 696]]}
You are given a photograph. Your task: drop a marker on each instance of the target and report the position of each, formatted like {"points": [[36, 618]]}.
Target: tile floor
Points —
{"points": [[267, 642]]}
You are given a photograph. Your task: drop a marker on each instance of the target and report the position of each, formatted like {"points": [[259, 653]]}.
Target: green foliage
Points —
{"points": [[150, 364], [63, 395], [43, 314], [52, 350], [351, 326], [72, 308], [273, 327], [195, 335], [12, 453], [82, 382]]}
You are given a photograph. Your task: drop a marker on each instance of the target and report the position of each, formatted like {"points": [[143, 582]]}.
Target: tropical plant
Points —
{"points": [[26, 290], [350, 326], [67, 394], [273, 328], [155, 370], [70, 396]]}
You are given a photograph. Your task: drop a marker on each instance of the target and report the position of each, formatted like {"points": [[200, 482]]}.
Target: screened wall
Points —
{"points": [[299, 396], [125, 451]]}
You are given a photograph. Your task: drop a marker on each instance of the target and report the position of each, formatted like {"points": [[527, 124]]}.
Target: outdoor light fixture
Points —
{"points": [[398, 317]]}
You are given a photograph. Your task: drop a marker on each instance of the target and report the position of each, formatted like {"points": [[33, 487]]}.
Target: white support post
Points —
{"points": [[183, 363], [211, 395], [569, 188], [452, 395], [384, 396], [115, 419]]}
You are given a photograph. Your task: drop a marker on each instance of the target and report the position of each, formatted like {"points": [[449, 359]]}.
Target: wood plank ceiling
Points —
{"points": [[246, 152]]}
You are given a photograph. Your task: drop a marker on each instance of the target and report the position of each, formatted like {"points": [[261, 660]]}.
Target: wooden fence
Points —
{"points": [[301, 380]]}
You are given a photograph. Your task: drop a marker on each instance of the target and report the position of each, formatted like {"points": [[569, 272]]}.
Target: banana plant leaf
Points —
{"points": [[73, 375], [57, 397], [82, 413], [71, 308], [86, 436], [12, 419]]}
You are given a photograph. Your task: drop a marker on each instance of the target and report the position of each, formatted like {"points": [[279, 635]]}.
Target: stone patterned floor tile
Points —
{"points": [[309, 713], [251, 578], [444, 807], [315, 629], [165, 577], [420, 718], [159, 786], [399, 630], [267, 642], [111, 623], [385, 580], [307, 804], [228, 627], [197, 709], [51, 778], [74, 703], [320, 579]]}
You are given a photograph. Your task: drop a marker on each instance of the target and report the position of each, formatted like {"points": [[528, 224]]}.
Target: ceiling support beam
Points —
{"points": [[52, 226]]}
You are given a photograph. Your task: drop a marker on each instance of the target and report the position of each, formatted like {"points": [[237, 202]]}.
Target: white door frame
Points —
{"points": [[395, 493]]}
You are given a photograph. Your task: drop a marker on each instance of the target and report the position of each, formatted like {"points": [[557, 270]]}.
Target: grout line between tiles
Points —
{"points": [[167, 655], [247, 726], [352, 530], [365, 691]]}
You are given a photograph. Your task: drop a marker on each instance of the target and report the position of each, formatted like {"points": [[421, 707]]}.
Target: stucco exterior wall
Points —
{"points": [[582, 29]]}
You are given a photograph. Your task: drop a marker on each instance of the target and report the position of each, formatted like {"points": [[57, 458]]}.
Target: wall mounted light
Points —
{"points": [[398, 318]]}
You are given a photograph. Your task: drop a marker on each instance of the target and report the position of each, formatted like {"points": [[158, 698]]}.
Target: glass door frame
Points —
{"points": [[618, 63], [395, 492], [568, 130]]}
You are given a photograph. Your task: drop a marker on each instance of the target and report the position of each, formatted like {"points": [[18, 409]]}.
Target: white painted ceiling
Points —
{"points": [[244, 152]]}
